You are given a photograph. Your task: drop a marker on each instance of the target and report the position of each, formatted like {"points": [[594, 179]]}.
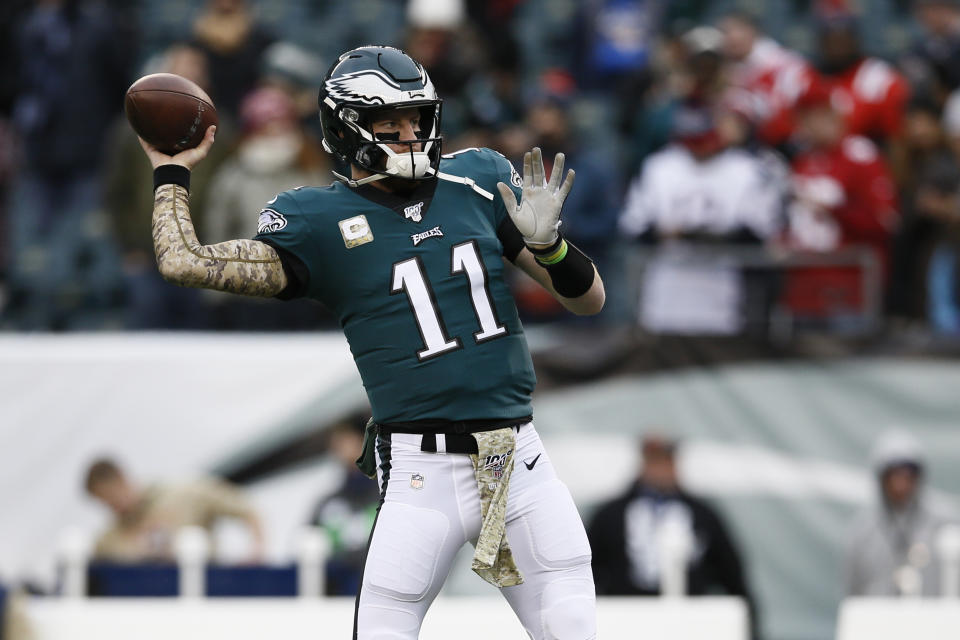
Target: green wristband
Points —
{"points": [[555, 256]]}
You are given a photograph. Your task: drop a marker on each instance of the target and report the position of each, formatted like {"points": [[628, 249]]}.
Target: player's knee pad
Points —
{"points": [[386, 623], [558, 539], [569, 609], [404, 552]]}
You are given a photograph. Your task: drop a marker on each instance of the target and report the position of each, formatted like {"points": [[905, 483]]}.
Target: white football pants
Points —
{"points": [[432, 508]]}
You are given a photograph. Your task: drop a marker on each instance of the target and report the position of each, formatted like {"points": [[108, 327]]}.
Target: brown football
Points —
{"points": [[169, 111]]}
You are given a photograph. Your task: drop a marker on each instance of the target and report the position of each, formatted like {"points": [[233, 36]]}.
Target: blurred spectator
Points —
{"points": [[451, 52], [348, 513], [298, 73], [892, 549], [15, 621], [273, 155], [233, 41], [868, 92], [72, 68], [626, 533], [696, 194], [701, 76], [334, 27], [10, 13], [693, 71], [844, 196], [618, 38], [149, 301], [772, 76], [933, 62], [148, 518], [943, 281], [951, 123], [938, 201], [73, 71], [495, 94], [590, 211], [929, 187]]}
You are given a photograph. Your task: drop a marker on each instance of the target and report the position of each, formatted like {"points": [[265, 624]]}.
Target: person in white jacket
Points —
{"points": [[694, 199], [893, 550]]}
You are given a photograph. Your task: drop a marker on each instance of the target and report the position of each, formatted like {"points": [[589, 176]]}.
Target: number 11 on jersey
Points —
{"points": [[409, 277]]}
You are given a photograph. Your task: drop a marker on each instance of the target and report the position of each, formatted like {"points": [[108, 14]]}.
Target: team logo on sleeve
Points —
{"points": [[414, 212], [515, 178], [355, 231], [270, 221]]}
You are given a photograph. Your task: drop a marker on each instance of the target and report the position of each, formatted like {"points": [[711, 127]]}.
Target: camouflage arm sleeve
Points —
{"points": [[246, 267]]}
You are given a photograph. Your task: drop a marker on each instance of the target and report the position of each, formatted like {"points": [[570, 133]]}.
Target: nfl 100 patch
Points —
{"points": [[356, 231], [414, 212], [496, 463]]}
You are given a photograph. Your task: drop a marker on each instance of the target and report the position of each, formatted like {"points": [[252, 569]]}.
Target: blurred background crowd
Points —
{"points": [[748, 174], [786, 165]]}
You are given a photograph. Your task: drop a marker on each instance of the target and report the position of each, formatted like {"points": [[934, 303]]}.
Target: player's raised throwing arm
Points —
{"points": [[246, 267]]}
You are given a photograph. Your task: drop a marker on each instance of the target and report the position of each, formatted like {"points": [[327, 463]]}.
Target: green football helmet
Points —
{"points": [[368, 80]]}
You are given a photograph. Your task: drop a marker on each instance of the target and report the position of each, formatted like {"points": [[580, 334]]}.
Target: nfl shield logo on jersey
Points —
{"points": [[270, 221], [416, 481], [414, 212]]}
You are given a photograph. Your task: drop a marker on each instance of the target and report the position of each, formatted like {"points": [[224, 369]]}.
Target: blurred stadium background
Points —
{"points": [[770, 189]]}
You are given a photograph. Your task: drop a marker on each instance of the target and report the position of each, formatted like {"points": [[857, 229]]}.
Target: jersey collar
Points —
{"points": [[401, 203]]}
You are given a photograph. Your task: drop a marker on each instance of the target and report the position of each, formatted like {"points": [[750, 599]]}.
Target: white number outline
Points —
{"points": [[428, 312], [478, 280], [424, 313]]}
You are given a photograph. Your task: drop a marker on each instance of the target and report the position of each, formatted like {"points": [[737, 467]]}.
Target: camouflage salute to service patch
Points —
{"points": [[493, 560]]}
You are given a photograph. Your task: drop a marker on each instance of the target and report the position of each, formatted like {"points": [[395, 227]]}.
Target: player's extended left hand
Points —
{"points": [[537, 215]]}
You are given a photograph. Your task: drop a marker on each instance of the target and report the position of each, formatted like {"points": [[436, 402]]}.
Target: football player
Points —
{"points": [[409, 252]]}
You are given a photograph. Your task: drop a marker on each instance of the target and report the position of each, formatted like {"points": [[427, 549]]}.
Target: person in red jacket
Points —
{"points": [[869, 93], [766, 77], [844, 196]]}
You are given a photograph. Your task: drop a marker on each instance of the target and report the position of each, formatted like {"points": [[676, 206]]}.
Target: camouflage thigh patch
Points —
{"points": [[493, 561]]}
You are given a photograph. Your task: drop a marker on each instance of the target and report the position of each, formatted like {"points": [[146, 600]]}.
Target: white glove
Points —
{"points": [[538, 214]]}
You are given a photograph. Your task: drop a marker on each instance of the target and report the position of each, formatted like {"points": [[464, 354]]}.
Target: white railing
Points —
{"points": [[463, 618], [310, 616], [781, 321], [911, 616], [192, 551]]}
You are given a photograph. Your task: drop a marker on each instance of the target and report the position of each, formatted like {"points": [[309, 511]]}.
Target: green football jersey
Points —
{"points": [[417, 282]]}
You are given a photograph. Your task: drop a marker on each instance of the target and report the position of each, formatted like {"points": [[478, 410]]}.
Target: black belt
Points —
{"points": [[450, 426], [453, 443], [450, 437]]}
